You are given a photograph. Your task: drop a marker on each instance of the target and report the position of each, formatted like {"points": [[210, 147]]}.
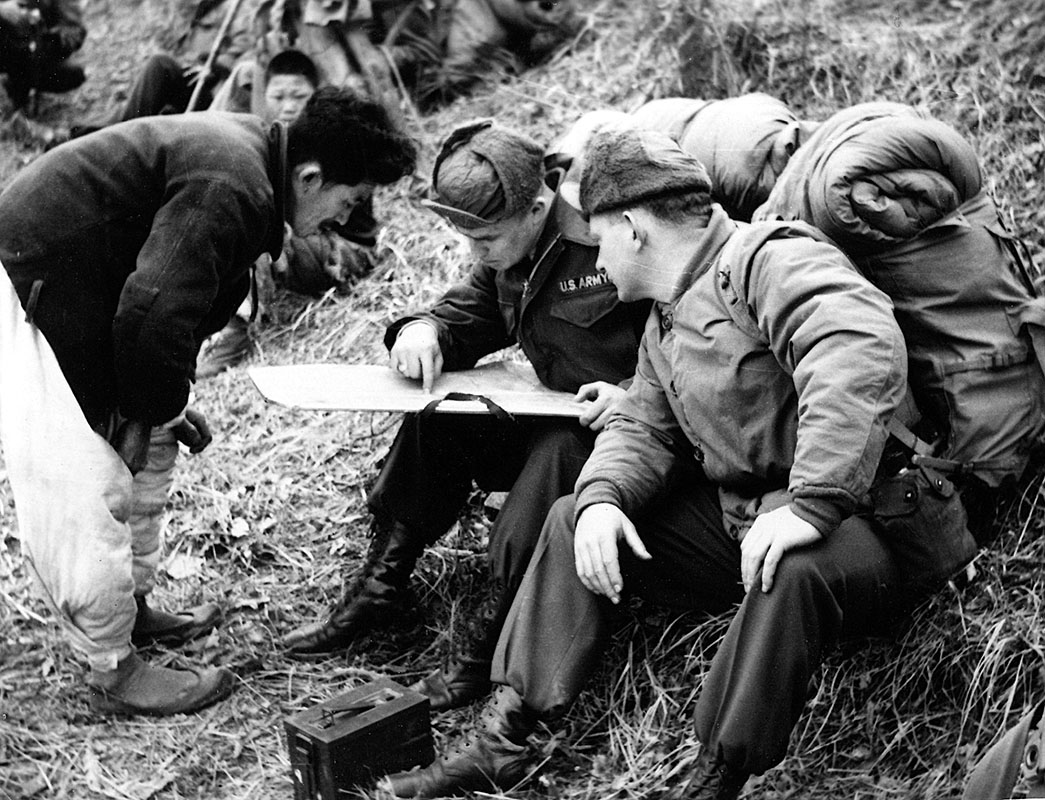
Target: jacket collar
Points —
{"points": [[280, 179], [712, 239], [567, 221], [563, 222]]}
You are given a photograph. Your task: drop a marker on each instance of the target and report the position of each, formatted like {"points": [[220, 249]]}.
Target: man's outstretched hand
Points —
{"points": [[599, 528]]}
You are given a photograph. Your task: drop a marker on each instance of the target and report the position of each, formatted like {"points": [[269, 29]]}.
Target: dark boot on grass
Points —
{"points": [[462, 681], [712, 779], [493, 757], [465, 678], [378, 597], [152, 626], [135, 687], [227, 348]]}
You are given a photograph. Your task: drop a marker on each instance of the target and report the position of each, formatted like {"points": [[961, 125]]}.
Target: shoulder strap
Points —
{"points": [[491, 406]]}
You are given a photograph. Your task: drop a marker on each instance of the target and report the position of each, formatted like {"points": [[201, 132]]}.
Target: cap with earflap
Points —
{"points": [[485, 173], [626, 167]]}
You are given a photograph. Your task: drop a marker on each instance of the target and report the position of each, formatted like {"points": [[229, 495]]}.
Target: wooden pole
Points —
{"points": [[208, 65]]}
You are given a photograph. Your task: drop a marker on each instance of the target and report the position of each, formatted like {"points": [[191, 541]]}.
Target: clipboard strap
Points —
{"points": [[491, 406]]}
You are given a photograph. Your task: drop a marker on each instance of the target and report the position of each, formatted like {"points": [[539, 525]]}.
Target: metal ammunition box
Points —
{"points": [[351, 739]]}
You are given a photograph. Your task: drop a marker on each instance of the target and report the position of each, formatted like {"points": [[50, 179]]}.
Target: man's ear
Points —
{"points": [[307, 177], [539, 205], [639, 233]]}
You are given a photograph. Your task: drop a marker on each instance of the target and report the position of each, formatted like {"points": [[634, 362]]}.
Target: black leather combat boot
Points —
{"points": [[376, 597], [153, 626], [465, 677], [712, 779], [494, 756], [463, 680]]}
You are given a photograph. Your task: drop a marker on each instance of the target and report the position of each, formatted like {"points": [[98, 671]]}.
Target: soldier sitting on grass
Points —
{"points": [[730, 477], [534, 283]]}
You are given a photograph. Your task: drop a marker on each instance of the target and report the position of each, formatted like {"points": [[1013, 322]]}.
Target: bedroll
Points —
{"points": [[974, 322]]}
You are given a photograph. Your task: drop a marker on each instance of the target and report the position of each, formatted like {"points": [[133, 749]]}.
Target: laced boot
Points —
{"points": [[466, 677], [376, 598], [494, 756], [712, 779], [152, 626], [135, 687]]}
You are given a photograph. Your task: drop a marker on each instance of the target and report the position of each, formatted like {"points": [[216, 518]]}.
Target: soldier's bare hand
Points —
{"points": [[604, 397], [193, 431], [595, 551], [417, 355], [192, 73], [773, 534]]}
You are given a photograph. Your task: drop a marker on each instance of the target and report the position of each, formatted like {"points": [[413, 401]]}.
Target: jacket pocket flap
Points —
{"points": [[587, 308]]}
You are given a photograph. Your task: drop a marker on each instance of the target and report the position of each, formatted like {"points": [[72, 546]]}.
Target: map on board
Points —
{"points": [[369, 387]]}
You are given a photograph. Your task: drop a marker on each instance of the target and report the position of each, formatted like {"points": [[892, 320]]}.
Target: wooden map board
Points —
{"points": [[368, 387]]}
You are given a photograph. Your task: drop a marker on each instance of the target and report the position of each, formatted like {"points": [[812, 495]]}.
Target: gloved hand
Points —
{"points": [[193, 431]]}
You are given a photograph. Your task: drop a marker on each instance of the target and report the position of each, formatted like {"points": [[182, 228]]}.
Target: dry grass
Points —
{"points": [[270, 516]]}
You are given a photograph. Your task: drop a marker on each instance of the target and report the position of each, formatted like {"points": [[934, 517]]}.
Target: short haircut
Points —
{"points": [[679, 208], [351, 137], [292, 62]]}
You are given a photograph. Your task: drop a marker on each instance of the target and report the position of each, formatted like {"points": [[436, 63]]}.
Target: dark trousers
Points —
{"points": [[758, 680], [160, 88], [434, 460], [48, 69]]}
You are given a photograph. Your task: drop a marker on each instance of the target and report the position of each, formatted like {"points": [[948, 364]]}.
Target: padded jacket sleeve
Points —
{"points": [[203, 228]]}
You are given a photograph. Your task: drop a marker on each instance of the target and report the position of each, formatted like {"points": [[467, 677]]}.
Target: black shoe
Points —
{"points": [[459, 683], [227, 348], [377, 598], [493, 757], [152, 626], [712, 779]]}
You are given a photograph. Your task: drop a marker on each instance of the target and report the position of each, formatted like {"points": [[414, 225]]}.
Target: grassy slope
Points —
{"points": [[265, 520]]}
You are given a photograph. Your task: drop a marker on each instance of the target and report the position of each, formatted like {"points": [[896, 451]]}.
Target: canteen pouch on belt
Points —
{"points": [[919, 513]]}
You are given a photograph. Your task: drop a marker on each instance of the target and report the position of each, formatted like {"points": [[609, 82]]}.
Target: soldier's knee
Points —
{"points": [[799, 572], [558, 526]]}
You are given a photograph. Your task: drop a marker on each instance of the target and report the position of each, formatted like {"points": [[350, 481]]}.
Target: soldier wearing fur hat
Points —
{"points": [[730, 474], [534, 283]]}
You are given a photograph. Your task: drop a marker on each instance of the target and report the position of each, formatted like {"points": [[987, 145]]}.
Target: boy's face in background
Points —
{"points": [[285, 96]]}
